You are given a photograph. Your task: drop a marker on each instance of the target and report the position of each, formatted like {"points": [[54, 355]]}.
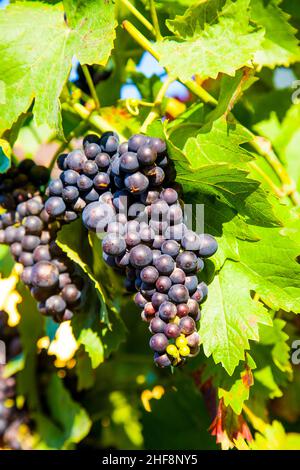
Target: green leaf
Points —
{"points": [[272, 270], [227, 325], [232, 187], [276, 337], [203, 52], [238, 392], [32, 70], [219, 144], [73, 240], [84, 371], [70, 416], [280, 45]]}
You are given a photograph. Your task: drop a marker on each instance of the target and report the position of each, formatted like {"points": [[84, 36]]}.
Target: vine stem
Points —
{"points": [[94, 119], [155, 20], [155, 111], [91, 86], [260, 144], [139, 16]]}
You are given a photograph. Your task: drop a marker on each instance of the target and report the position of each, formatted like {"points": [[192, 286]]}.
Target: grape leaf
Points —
{"points": [[70, 415], [221, 143], [272, 270], [239, 391], [35, 62], [204, 53], [232, 187], [227, 326], [280, 45]]}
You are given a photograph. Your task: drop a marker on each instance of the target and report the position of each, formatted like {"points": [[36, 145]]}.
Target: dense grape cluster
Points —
{"points": [[138, 211], [30, 232]]}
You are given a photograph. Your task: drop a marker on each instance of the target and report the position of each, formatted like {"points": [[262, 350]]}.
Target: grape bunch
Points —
{"points": [[140, 214], [30, 232]]}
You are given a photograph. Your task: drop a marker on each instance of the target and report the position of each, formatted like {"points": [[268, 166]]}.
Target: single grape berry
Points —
{"points": [[69, 177], [208, 245], [165, 264], [71, 294], [91, 150], [149, 274], [170, 247], [187, 261], [30, 242], [33, 225], [55, 305], [136, 141], [158, 342], [169, 195], [136, 183], [55, 187], [129, 162], [172, 330], [44, 274], [41, 253], [84, 183], [70, 194], [157, 325], [75, 160], [158, 298], [191, 283], [103, 161], [187, 325], [146, 154], [178, 293], [55, 206], [162, 360], [101, 181], [167, 311], [113, 244], [190, 241], [140, 256], [178, 276], [163, 284], [97, 215]]}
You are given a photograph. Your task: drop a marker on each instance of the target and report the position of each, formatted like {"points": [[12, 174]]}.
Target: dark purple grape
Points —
{"points": [[169, 195], [136, 183], [103, 161], [30, 242], [70, 194], [90, 168], [204, 289], [162, 360], [178, 293], [26, 259], [200, 265], [177, 276], [55, 187], [33, 225], [41, 253], [159, 210], [63, 280], [84, 183], [101, 181], [75, 160], [91, 196], [61, 161], [55, 206], [191, 283], [71, 294], [158, 298], [190, 241], [198, 296], [96, 216], [170, 247], [16, 249], [167, 311], [129, 162], [187, 261], [165, 264], [140, 256], [163, 284], [90, 139], [140, 300], [193, 340], [136, 141], [55, 305], [147, 290], [208, 245], [123, 260], [113, 244], [149, 274], [132, 239], [9, 235], [175, 215], [187, 325], [146, 154], [159, 342], [147, 235], [109, 142], [22, 209], [91, 150], [157, 243], [157, 325], [40, 293], [69, 177], [35, 206], [158, 145], [172, 330], [183, 310], [44, 274], [157, 176], [26, 275], [193, 307]]}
